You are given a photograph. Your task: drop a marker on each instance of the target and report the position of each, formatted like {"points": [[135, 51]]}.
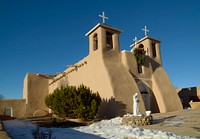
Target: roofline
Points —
{"points": [[144, 38], [147, 37], [102, 25]]}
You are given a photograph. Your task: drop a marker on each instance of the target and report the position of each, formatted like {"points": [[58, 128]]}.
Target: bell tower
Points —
{"points": [[152, 48], [103, 38], [150, 45]]}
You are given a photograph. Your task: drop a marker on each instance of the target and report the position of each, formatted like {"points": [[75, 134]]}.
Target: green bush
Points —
{"points": [[74, 102], [140, 56]]}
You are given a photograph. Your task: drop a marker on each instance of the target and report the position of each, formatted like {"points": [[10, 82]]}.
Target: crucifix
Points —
{"points": [[135, 40], [145, 30], [103, 17]]}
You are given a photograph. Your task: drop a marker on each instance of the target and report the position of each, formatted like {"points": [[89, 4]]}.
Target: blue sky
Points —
{"points": [[43, 36]]}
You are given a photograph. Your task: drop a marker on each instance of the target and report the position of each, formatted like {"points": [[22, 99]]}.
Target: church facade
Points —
{"points": [[115, 74]]}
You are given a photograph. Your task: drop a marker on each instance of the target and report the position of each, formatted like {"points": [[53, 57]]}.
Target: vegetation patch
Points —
{"points": [[74, 102], [139, 54]]}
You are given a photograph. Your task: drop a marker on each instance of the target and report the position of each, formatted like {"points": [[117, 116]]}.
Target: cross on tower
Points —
{"points": [[103, 17], [135, 43], [145, 30], [135, 40]]}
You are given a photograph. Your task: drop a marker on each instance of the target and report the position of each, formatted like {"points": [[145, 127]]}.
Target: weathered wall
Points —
{"points": [[129, 62], [35, 91], [92, 74], [18, 107], [110, 78], [165, 92], [122, 81]]}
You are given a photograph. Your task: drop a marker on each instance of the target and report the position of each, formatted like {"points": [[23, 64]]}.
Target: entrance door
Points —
{"points": [[146, 95], [146, 99]]}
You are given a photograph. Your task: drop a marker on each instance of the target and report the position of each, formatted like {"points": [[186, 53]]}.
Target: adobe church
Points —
{"points": [[115, 74]]}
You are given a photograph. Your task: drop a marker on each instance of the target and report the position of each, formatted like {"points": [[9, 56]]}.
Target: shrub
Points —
{"points": [[74, 102]]}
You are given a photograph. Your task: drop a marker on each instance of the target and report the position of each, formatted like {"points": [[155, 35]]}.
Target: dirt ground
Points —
{"points": [[184, 122], [3, 134]]}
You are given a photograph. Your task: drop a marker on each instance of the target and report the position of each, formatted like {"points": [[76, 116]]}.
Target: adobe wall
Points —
{"points": [[35, 91], [107, 75], [130, 63], [92, 73], [122, 80], [195, 105], [128, 60], [164, 92], [18, 107], [198, 90]]}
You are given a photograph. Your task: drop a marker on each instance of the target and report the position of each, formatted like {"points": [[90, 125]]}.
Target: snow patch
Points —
{"points": [[111, 129]]}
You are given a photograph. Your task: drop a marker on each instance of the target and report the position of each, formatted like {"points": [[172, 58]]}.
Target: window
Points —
{"points": [[109, 42], [139, 69], [8, 111], [95, 40], [141, 46], [153, 49]]}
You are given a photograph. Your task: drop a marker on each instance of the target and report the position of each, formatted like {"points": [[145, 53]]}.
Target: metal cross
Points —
{"points": [[103, 17], [135, 40], [145, 30]]}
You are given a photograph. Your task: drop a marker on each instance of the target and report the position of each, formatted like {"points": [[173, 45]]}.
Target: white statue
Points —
{"points": [[136, 105]]}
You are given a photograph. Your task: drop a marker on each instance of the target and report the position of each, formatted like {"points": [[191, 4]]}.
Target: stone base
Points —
{"points": [[137, 120]]}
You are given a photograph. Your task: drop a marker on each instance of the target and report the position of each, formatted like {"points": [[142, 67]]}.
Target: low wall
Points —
{"points": [[137, 120], [17, 105], [195, 105]]}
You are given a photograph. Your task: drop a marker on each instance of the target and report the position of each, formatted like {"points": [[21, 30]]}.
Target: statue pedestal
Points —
{"points": [[131, 120]]}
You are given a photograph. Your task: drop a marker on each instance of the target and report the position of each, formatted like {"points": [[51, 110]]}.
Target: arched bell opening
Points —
{"points": [[95, 42], [109, 41]]}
